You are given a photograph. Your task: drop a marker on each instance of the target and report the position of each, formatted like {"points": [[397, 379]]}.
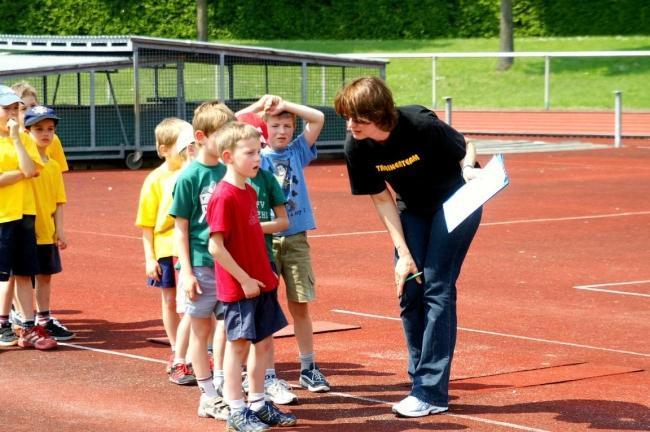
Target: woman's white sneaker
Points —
{"points": [[411, 406]]}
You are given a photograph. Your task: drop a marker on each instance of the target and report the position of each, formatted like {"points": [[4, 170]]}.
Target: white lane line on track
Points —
{"points": [[550, 341], [358, 233], [344, 395], [597, 288]]}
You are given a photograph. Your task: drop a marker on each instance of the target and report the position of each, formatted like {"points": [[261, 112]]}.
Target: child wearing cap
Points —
{"points": [[19, 161], [173, 136], [27, 93], [41, 122]]}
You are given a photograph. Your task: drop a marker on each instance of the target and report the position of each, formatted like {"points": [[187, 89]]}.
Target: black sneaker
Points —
{"points": [[7, 335], [245, 421], [314, 380], [58, 331], [272, 416]]}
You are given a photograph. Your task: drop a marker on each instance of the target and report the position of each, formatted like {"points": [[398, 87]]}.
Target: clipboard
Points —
{"points": [[476, 192]]}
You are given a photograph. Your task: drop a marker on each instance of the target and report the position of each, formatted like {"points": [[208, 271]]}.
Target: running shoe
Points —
{"points": [[58, 331], [279, 391], [182, 375], [214, 407], [35, 337], [272, 416], [411, 406], [314, 380], [245, 420], [7, 335]]}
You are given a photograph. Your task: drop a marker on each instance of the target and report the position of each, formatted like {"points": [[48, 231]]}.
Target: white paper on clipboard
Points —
{"points": [[476, 192]]}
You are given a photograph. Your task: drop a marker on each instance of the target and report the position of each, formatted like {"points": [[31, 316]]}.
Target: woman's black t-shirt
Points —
{"points": [[419, 160]]}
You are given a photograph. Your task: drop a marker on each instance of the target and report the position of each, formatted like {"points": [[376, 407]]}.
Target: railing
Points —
{"points": [[547, 56]]}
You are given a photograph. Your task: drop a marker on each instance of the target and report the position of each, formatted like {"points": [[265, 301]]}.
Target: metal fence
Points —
{"points": [[109, 109]]}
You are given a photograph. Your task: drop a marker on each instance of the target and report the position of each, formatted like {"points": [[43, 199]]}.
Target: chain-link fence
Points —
{"points": [[112, 111]]}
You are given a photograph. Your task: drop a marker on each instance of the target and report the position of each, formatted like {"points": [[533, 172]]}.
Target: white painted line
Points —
{"points": [[613, 291], [115, 353], [104, 234], [555, 342], [345, 395], [466, 417], [595, 287], [359, 233]]}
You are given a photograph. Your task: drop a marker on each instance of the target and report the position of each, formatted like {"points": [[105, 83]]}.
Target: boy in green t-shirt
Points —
{"points": [[192, 191]]}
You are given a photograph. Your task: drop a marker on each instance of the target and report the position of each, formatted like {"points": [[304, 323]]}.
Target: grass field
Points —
{"points": [[474, 83], [584, 83]]}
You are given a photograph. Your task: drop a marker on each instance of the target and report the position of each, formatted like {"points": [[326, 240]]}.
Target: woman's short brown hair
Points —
{"points": [[367, 99]]}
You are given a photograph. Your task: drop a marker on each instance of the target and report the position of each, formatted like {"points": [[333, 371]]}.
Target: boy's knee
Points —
{"points": [[299, 310]]}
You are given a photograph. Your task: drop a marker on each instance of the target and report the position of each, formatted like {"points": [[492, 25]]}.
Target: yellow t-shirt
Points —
{"points": [[49, 191], [153, 209], [17, 199], [55, 151]]}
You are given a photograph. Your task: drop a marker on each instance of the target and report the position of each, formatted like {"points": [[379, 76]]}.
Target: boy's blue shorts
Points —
{"points": [[49, 260], [18, 248], [254, 319], [167, 274]]}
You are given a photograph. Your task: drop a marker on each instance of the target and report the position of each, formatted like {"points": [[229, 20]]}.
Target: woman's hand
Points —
{"points": [[470, 173], [403, 268]]}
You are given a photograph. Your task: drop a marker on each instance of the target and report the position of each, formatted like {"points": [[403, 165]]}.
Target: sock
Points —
{"points": [[178, 360], [42, 317], [206, 387], [269, 375], [307, 361], [257, 401], [4, 319], [217, 379], [237, 405]]}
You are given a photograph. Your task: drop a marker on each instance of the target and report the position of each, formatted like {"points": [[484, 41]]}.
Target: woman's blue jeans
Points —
{"points": [[428, 310]]}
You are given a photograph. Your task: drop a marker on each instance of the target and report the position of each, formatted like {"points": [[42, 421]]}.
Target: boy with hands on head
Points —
{"points": [[247, 283], [286, 158]]}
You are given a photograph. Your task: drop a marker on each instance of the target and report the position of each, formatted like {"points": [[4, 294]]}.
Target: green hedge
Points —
{"points": [[326, 19]]}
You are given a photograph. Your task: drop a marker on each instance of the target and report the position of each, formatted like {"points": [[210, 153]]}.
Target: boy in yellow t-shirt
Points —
{"points": [[49, 191], [172, 136], [19, 161], [27, 93]]}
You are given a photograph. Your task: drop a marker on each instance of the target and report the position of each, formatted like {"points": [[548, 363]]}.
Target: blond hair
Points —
{"points": [[23, 89], [210, 116], [232, 133], [167, 132]]}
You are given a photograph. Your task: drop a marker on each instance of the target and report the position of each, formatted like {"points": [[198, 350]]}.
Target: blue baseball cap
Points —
{"points": [[39, 113], [8, 96]]}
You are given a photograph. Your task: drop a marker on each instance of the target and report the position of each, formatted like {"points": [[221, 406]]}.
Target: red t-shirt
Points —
{"points": [[233, 212]]}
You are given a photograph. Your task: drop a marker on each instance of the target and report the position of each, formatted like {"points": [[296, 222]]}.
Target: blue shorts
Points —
{"points": [[254, 319], [18, 248], [206, 303], [49, 260], [167, 274]]}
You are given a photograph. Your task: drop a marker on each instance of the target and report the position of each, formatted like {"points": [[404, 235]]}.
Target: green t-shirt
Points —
{"points": [[192, 192], [269, 195]]}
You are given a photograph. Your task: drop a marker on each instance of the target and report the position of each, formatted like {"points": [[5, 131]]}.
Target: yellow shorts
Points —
{"points": [[294, 265]]}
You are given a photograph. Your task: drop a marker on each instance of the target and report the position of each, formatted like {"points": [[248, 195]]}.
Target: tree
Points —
{"points": [[202, 20], [506, 39]]}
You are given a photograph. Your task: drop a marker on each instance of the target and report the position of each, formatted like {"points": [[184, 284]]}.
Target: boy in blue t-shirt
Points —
{"points": [[286, 158]]}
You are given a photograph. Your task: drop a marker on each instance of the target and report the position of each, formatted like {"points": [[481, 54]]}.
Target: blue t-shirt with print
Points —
{"points": [[288, 168]]}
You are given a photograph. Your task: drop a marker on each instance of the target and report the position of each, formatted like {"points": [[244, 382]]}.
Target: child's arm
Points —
{"points": [[250, 286], [25, 163], [186, 278], [10, 177], [280, 223], [314, 119], [150, 263], [60, 239]]}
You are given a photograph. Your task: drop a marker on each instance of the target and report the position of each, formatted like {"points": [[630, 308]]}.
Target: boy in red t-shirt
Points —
{"points": [[247, 284]]}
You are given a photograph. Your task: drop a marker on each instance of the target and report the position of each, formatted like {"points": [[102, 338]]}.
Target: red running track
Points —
{"points": [[534, 351]]}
